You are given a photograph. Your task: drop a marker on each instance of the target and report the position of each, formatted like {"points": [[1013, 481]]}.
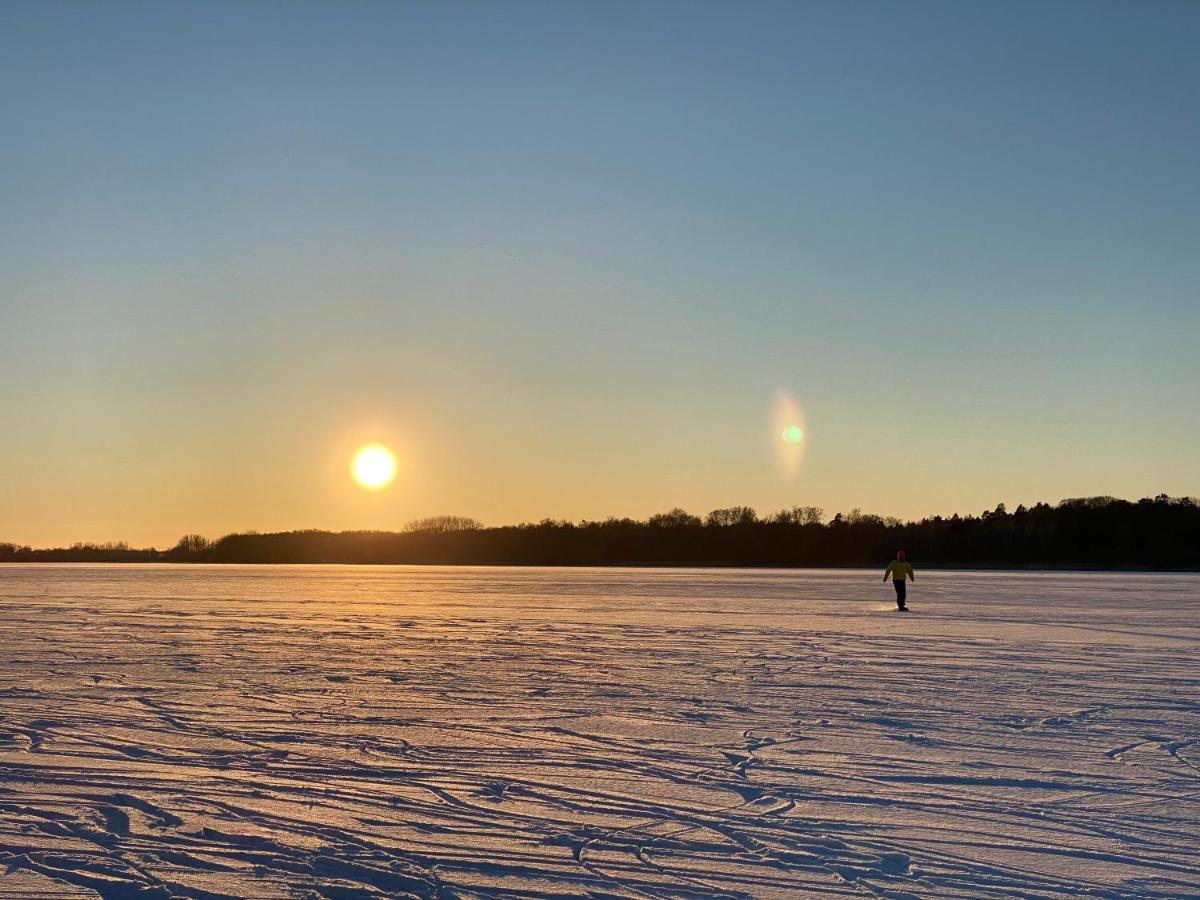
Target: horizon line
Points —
{"points": [[729, 516]]}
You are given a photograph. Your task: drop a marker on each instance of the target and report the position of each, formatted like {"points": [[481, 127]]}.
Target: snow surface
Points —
{"points": [[342, 732]]}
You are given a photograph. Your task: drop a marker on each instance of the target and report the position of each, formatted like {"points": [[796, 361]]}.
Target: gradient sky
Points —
{"points": [[562, 256]]}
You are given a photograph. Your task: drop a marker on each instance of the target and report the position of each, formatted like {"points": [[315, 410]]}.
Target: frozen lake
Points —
{"points": [[348, 732]]}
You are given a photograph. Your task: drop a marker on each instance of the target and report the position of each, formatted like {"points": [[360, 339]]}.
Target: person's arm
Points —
{"points": [[887, 571], [912, 576]]}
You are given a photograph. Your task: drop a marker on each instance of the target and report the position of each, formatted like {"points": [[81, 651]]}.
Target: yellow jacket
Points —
{"points": [[898, 569]]}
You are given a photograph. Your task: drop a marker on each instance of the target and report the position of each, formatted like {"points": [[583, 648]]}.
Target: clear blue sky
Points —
{"points": [[562, 256]]}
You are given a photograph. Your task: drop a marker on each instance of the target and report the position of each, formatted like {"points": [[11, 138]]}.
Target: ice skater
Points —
{"points": [[898, 569]]}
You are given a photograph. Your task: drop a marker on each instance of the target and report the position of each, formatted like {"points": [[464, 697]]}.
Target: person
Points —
{"points": [[899, 570]]}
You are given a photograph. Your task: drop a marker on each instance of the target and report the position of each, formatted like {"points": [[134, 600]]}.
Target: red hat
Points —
{"points": [[899, 554]]}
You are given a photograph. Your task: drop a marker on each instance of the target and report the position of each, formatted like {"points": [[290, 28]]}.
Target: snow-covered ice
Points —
{"points": [[366, 732]]}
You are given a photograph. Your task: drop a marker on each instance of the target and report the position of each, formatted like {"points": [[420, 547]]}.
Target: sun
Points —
{"points": [[373, 467]]}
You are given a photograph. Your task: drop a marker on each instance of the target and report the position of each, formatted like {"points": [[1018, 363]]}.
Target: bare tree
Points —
{"points": [[732, 515], [675, 518], [443, 524], [193, 543], [799, 515]]}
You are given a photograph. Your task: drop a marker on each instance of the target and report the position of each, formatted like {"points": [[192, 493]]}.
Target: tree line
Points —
{"points": [[1092, 533]]}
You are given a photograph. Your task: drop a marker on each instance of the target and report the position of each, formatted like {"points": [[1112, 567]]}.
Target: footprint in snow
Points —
{"points": [[498, 791]]}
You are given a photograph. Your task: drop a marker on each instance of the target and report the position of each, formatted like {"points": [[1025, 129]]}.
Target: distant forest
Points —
{"points": [[1090, 533]]}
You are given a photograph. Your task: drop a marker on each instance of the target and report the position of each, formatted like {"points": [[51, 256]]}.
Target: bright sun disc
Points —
{"points": [[373, 467], [793, 434]]}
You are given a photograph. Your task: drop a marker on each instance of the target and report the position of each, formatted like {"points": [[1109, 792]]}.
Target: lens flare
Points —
{"points": [[793, 434], [788, 435], [373, 467]]}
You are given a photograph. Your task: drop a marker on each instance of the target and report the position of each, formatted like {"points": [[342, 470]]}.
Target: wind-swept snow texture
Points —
{"points": [[339, 732]]}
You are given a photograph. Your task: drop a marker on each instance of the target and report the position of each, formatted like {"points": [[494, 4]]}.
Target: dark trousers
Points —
{"points": [[900, 587]]}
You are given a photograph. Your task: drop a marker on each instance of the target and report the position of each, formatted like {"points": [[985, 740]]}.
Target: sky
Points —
{"points": [[564, 259]]}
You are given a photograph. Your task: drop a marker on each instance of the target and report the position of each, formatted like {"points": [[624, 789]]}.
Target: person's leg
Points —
{"points": [[900, 593]]}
